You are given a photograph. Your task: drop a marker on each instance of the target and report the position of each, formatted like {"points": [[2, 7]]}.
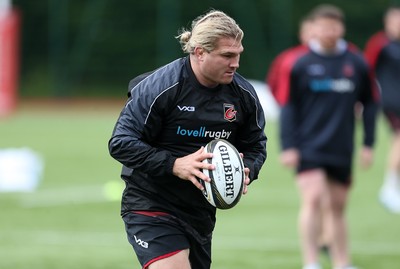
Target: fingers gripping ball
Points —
{"points": [[227, 180]]}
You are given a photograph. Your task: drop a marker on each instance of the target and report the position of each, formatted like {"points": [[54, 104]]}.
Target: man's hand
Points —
{"points": [[290, 158], [246, 176], [246, 180], [189, 167], [366, 157]]}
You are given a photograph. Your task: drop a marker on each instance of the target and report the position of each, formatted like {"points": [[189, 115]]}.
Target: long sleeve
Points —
{"points": [[130, 146], [288, 126], [253, 139], [133, 142], [369, 99]]}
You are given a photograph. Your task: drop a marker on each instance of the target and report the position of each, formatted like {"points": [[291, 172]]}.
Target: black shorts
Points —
{"points": [[340, 174], [156, 235], [393, 120]]}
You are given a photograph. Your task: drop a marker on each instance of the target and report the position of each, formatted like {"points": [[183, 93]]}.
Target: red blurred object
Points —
{"points": [[9, 61]]}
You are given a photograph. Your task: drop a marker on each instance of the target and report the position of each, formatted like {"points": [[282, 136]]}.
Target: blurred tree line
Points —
{"points": [[94, 47]]}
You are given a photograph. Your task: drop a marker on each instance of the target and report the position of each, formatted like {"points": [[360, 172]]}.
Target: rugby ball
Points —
{"points": [[227, 180]]}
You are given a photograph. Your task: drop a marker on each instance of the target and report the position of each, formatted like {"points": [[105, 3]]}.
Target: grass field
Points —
{"points": [[69, 222]]}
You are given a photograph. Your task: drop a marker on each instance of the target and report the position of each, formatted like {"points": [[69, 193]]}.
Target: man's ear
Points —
{"points": [[199, 53]]}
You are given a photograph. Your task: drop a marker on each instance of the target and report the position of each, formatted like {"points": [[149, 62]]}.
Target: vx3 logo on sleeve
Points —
{"points": [[186, 108]]}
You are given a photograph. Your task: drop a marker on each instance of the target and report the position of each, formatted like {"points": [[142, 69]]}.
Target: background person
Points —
{"points": [[383, 54], [280, 66], [317, 129], [276, 79], [168, 221]]}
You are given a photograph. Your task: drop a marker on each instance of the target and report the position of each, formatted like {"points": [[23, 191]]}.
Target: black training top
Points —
{"points": [[317, 116], [168, 115]]}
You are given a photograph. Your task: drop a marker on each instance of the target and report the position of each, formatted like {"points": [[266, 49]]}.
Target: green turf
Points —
{"points": [[68, 222]]}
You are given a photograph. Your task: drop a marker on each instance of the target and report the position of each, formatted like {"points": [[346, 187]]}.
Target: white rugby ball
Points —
{"points": [[227, 180]]}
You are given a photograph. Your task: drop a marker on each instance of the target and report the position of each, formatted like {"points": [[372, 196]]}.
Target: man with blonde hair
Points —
{"points": [[170, 115]]}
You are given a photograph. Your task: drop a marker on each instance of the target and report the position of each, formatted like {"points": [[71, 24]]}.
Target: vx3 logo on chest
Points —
{"points": [[186, 108]]}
